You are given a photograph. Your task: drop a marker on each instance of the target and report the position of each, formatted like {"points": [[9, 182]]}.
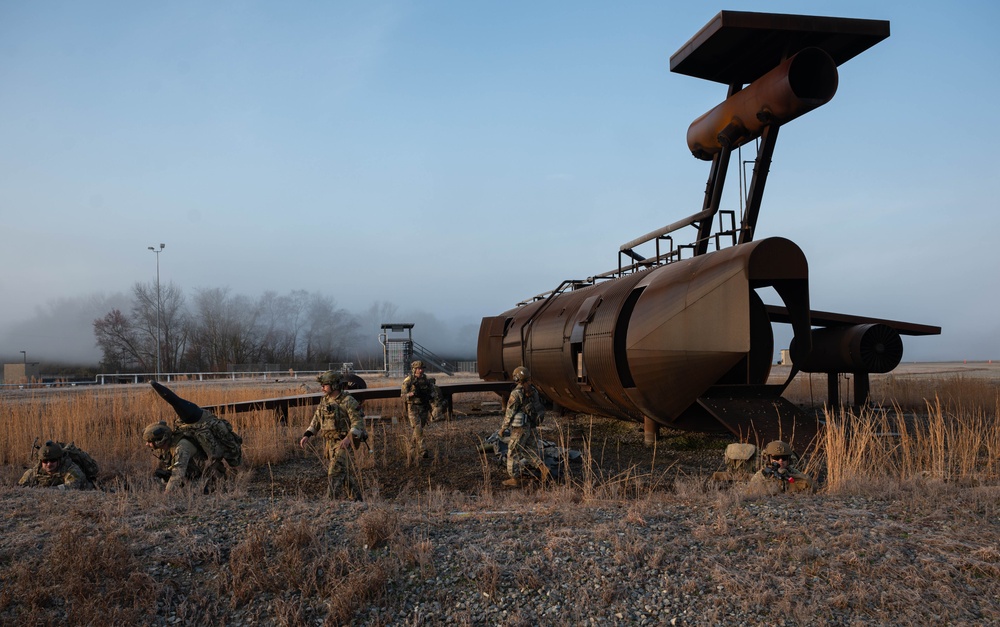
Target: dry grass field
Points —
{"points": [[904, 528]]}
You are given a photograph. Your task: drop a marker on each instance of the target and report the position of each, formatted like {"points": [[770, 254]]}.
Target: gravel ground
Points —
{"points": [[519, 558], [641, 540]]}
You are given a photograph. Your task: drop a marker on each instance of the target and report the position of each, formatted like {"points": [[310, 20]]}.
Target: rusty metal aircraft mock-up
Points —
{"points": [[688, 342]]}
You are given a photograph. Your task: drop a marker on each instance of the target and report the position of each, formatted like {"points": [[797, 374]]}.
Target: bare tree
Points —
{"points": [[330, 334], [222, 330], [280, 319], [219, 330], [119, 342], [144, 321], [173, 327], [129, 341]]}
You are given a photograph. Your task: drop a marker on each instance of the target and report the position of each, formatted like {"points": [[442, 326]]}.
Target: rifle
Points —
{"points": [[162, 474], [351, 441], [776, 472], [33, 456]]}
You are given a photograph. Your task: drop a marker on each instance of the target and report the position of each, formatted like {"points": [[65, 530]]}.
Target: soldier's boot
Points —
{"points": [[513, 482], [354, 492]]}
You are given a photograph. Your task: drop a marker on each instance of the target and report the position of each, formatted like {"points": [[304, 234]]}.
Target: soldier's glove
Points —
{"points": [[163, 475]]}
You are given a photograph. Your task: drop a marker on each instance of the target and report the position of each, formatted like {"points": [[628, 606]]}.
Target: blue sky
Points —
{"points": [[454, 158]]}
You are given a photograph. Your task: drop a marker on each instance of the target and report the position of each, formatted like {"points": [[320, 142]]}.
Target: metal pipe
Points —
{"points": [[800, 84], [670, 228]]}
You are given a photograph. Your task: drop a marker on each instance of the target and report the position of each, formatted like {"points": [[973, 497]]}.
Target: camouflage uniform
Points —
{"points": [[184, 461], [336, 417], [524, 413], [66, 476], [421, 396], [779, 475], [788, 479]]}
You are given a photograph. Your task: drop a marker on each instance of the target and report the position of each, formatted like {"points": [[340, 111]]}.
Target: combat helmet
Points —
{"points": [[334, 379], [777, 448], [521, 374], [157, 433], [416, 364], [51, 452]]}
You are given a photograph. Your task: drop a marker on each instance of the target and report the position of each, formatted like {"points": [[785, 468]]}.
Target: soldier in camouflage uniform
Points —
{"points": [[180, 458], [779, 475], [422, 397], [55, 470], [341, 422], [524, 414]]}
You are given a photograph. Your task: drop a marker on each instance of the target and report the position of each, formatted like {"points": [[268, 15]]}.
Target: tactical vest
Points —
{"points": [[334, 419], [527, 402], [422, 388]]}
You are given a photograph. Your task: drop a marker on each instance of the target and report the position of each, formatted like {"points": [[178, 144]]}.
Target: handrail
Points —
{"points": [[142, 377]]}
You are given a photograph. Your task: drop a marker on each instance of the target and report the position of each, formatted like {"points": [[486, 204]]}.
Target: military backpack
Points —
{"points": [[215, 436], [82, 459], [742, 458]]}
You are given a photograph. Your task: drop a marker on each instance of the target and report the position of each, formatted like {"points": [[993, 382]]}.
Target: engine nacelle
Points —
{"points": [[871, 348]]}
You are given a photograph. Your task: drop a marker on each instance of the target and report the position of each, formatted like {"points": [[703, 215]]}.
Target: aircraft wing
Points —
{"points": [[779, 313]]}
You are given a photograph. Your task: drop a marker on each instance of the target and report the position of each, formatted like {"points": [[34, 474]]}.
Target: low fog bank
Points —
{"points": [[63, 332]]}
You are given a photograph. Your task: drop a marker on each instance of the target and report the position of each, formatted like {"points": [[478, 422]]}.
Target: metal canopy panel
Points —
{"points": [[739, 47]]}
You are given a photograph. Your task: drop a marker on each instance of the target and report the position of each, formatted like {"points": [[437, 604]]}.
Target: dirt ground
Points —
{"points": [[612, 450]]}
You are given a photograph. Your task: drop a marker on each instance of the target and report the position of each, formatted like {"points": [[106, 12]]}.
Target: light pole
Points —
{"points": [[157, 251]]}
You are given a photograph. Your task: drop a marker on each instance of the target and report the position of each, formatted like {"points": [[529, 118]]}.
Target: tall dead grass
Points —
{"points": [[887, 448], [953, 436], [108, 424], [958, 392]]}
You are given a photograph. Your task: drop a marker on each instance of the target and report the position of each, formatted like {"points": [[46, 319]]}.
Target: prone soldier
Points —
{"points": [[55, 469], [778, 475]]}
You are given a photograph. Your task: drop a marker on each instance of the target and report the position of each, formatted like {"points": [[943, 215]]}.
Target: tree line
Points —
{"points": [[215, 331]]}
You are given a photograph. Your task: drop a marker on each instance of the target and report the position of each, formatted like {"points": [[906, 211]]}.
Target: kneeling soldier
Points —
{"points": [[180, 459]]}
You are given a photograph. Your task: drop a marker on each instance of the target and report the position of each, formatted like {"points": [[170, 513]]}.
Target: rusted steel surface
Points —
{"points": [[831, 319], [649, 344], [740, 47], [688, 342], [758, 416], [800, 84], [282, 404]]}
